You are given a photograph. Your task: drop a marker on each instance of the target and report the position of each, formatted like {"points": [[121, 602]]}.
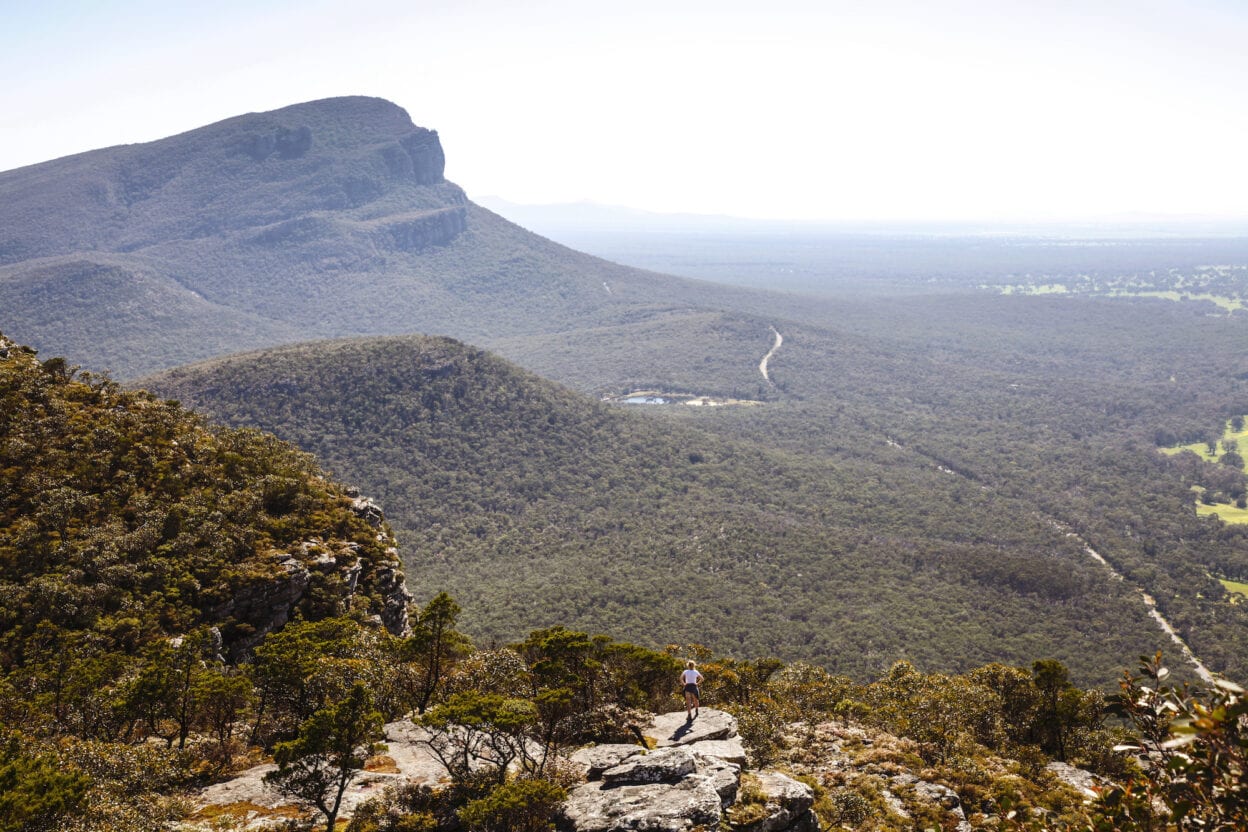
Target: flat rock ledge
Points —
{"points": [[692, 781], [253, 805], [674, 729], [598, 758]]}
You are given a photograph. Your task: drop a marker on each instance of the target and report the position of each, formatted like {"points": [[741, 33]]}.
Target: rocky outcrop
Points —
{"points": [[596, 759], [368, 511], [661, 807], [254, 805], [693, 778], [730, 749], [418, 156], [1077, 778], [785, 805], [666, 765], [414, 233], [265, 605]]}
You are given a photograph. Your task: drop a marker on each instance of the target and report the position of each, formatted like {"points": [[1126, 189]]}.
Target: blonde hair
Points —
{"points": [[689, 663]]}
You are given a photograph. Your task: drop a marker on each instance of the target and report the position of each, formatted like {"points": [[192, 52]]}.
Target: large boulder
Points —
{"points": [[674, 729], [665, 765], [660, 807], [598, 758], [785, 805]]}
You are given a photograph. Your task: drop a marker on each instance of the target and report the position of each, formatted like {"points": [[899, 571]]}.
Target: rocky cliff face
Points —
{"points": [[265, 605]]}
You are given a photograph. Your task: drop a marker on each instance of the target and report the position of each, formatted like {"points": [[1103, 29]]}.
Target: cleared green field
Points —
{"points": [[1228, 513], [1039, 289], [1202, 450], [1235, 587], [1229, 304]]}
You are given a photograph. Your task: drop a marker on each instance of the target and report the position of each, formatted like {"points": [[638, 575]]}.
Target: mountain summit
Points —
{"points": [[246, 175]]}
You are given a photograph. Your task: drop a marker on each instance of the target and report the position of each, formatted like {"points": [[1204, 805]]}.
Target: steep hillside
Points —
{"points": [[124, 519], [323, 219], [534, 506]]}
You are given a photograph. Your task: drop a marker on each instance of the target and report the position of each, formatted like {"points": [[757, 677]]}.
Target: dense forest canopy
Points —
{"points": [[535, 506]]}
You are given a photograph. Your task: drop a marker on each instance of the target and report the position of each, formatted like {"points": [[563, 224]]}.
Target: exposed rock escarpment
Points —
{"points": [[417, 155], [414, 233], [265, 605]]}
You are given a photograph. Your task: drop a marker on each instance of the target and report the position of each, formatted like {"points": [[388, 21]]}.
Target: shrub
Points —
{"points": [[519, 806]]}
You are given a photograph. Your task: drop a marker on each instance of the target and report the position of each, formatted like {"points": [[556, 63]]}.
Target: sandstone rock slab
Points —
{"points": [[594, 807], [725, 777], [730, 750], [598, 758], [673, 728], [788, 804], [663, 765]]}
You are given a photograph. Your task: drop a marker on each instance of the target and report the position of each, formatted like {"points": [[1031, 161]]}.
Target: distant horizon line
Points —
{"points": [[559, 212]]}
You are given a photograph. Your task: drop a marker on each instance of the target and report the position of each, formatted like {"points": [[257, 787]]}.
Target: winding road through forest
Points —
{"points": [[762, 365]]}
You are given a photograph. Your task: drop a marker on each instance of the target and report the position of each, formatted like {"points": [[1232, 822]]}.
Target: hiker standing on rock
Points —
{"points": [[691, 678]]}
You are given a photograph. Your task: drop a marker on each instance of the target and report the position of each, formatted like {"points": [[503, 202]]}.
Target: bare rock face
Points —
{"points": [[730, 750], [666, 765], [725, 776], [367, 510], [674, 729], [418, 156], [265, 605], [787, 805], [598, 758], [690, 780], [418, 232], [658, 807]]}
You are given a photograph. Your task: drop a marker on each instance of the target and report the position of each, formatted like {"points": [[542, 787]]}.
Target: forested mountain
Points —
{"points": [[535, 506]]}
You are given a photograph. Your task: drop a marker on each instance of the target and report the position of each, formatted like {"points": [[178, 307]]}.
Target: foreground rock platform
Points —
{"points": [[691, 779], [675, 729]]}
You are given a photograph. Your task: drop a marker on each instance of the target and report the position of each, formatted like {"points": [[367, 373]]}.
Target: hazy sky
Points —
{"points": [[770, 108]]}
